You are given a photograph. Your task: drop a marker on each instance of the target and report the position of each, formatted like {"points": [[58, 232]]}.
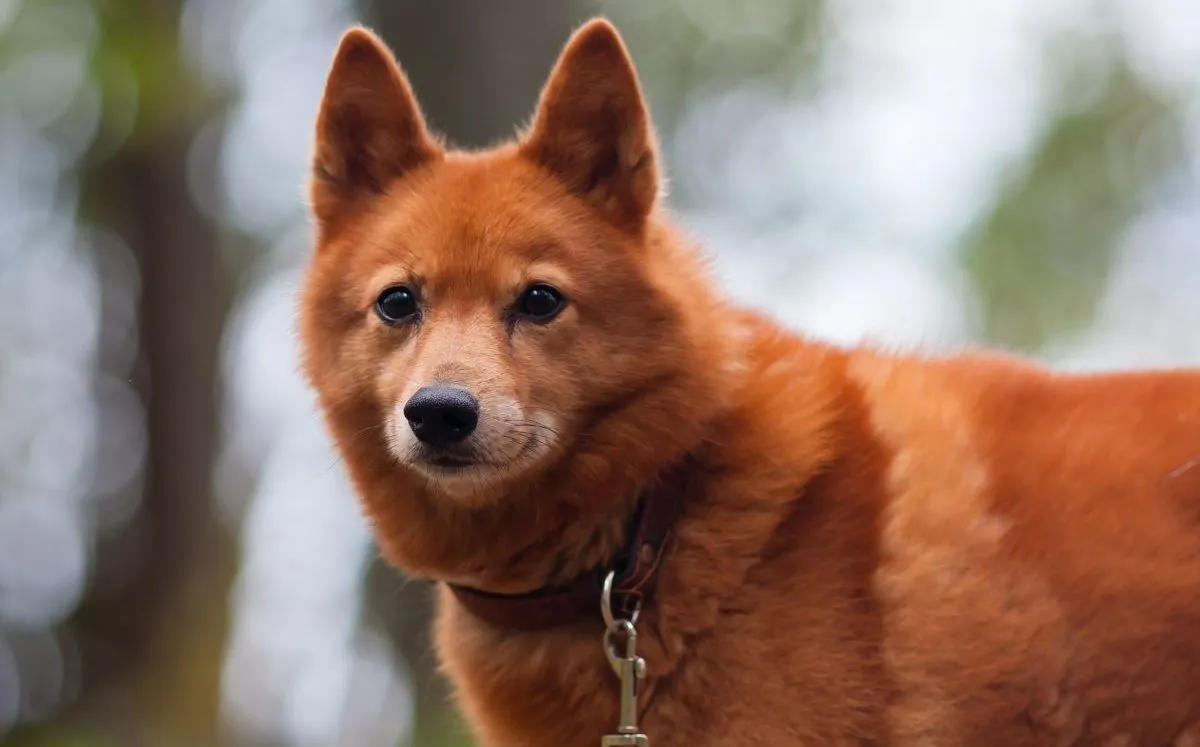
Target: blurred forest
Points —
{"points": [[181, 562]]}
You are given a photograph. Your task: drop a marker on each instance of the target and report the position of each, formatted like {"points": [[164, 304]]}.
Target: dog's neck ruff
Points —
{"points": [[635, 570]]}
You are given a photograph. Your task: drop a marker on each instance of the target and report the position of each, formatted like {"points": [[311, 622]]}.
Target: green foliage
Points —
{"points": [[444, 729], [684, 46], [139, 44], [1040, 259]]}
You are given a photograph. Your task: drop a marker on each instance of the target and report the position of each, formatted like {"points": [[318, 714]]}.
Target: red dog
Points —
{"points": [[536, 388]]}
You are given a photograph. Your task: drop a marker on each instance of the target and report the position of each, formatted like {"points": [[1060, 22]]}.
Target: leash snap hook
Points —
{"points": [[628, 666]]}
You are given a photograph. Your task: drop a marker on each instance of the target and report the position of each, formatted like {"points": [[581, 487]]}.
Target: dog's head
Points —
{"points": [[476, 321]]}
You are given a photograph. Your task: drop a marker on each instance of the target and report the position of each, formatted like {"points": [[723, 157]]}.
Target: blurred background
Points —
{"points": [[181, 561]]}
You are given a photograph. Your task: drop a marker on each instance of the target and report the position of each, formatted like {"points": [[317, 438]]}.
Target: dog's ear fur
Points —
{"points": [[370, 130], [592, 128]]}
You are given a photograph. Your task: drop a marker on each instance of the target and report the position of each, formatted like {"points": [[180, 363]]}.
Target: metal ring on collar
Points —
{"points": [[611, 621]]}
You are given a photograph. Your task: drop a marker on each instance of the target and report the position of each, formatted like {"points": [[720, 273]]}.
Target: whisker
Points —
{"points": [[337, 457]]}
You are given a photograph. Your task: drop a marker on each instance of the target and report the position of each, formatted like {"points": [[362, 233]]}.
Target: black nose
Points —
{"points": [[441, 415]]}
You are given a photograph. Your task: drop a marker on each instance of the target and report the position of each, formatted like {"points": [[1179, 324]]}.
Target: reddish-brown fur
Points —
{"points": [[877, 549]]}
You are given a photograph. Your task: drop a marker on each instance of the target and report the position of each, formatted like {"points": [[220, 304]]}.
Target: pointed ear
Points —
{"points": [[370, 130], [592, 128]]}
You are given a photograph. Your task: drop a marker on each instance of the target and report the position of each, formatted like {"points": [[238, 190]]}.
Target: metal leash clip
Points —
{"points": [[629, 668]]}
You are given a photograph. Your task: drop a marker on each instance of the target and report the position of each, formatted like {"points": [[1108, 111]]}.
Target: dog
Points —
{"points": [[655, 517]]}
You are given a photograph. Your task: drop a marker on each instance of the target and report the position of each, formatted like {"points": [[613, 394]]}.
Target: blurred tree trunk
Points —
{"points": [[153, 645], [477, 67]]}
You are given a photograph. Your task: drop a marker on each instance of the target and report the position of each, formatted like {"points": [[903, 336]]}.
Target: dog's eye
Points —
{"points": [[396, 305], [540, 303]]}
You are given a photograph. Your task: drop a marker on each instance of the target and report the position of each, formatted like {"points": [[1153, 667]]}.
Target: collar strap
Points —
{"points": [[635, 568]]}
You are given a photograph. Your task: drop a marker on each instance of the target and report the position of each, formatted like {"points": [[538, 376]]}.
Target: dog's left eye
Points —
{"points": [[540, 303], [396, 305]]}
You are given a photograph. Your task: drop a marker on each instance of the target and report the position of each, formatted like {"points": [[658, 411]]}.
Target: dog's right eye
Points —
{"points": [[396, 305], [541, 303]]}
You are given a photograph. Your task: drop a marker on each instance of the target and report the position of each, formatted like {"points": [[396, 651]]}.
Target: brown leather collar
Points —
{"points": [[636, 568]]}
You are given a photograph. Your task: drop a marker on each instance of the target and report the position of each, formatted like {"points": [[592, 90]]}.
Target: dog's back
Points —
{"points": [[1039, 552]]}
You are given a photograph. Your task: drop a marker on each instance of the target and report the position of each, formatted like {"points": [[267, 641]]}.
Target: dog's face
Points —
{"points": [[478, 316]]}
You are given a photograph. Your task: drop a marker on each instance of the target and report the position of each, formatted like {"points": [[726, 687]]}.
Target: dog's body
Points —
{"points": [[872, 549]]}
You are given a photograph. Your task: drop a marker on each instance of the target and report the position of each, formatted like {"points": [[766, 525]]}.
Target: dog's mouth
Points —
{"points": [[449, 462]]}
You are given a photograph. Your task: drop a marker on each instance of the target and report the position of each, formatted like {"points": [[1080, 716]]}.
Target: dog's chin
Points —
{"points": [[467, 482], [472, 481]]}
